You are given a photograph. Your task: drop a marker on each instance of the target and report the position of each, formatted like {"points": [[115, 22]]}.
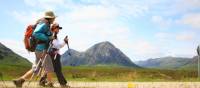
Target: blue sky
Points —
{"points": [[142, 29]]}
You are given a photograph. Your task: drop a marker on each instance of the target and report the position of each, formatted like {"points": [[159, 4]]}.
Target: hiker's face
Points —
{"points": [[56, 30], [52, 20]]}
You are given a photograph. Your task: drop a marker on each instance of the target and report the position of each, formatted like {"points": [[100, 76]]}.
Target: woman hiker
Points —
{"points": [[55, 56]]}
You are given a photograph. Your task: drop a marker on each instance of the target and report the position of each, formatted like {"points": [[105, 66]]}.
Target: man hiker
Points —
{"points": [[55, 56], [43, 35]]}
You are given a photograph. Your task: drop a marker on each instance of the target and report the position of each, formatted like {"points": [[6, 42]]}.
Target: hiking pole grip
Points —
{"points": [[50, 43], [66, 41]]}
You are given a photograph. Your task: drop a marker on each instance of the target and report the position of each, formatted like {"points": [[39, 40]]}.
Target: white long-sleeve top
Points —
{"points": [[57, 45]]}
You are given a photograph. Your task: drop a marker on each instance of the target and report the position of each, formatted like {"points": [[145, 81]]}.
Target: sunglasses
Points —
{"points": [[58, 27]]}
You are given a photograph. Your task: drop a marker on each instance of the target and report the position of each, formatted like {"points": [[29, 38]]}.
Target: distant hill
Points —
{"points": [[12, 65], [170, 63], [8, 57], [103, 53], [192, 64]]}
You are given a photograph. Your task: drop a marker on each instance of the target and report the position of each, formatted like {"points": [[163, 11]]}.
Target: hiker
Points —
{"points": [[43, 34], [55, 56]]}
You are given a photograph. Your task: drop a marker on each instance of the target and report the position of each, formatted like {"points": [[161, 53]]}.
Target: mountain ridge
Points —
{"points": [[170, 62], [8, 57], [103, 53]]}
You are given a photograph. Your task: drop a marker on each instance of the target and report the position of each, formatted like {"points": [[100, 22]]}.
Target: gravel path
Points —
{"points": [[75, 84]]}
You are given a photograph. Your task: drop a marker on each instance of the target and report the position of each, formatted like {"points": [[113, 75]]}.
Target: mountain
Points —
{"points": [[11, 64], [103, 53], [170, 63], [8, 57], [193, 63]]}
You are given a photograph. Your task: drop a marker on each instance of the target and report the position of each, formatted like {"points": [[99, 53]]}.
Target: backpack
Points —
{"points": [[29, 40]]}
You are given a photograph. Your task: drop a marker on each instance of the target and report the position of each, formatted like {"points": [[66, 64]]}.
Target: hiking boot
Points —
{"points": [[49, 85], [18, 82], [64, 86], [42, 81]]}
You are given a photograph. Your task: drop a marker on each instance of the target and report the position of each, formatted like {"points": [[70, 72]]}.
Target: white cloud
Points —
{"points": [[27, 17], [85, 34], [174, 8], [179, 44], [44, 4], [94, 13], [191, 19], [182, 50], [185, 6], [186, 36], [91, 24], [144, 49], [161, 22], [128, 8], [162, 35]]}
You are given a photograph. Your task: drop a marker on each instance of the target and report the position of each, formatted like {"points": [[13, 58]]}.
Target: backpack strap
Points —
{"points": [[41, 20]]}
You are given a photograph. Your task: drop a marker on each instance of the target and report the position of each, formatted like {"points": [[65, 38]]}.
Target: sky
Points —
{"points": [[141, 29]]}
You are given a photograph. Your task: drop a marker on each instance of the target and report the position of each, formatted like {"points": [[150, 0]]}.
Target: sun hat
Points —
{"points": [[49, 14]]}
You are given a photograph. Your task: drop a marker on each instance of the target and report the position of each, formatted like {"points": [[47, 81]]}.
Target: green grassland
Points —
{"points": [[12, 71], [108, 73], [12, 66]]}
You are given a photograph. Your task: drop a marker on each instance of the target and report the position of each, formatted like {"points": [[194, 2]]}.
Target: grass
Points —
{"points": [[12, 71], [104, 73], [110, 73]]}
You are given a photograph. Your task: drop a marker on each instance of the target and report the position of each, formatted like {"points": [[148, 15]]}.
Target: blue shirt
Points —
{"points": [[42, 33]]}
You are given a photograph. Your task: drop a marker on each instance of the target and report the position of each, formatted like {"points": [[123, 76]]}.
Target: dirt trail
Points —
{"points": [[75, 84]]}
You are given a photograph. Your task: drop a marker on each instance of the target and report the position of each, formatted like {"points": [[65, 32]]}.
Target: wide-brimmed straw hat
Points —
{"points": [[49, 14]]}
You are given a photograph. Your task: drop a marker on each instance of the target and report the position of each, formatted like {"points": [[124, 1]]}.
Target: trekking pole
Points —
{"points": [[40, 63], [68, 50], [47, 53], [38, 66], [39, 71], [68, 47], [48, 50], [55, 56]]}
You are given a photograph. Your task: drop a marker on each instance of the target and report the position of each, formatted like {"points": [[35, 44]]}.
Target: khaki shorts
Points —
{"points": [[48, 65]]}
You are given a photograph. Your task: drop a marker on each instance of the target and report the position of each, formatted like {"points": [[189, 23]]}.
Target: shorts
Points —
{"points": [[48, 65]]}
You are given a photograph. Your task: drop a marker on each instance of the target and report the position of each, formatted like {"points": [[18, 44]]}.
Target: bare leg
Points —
{"points": [[19, 82], [27, 75]]}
